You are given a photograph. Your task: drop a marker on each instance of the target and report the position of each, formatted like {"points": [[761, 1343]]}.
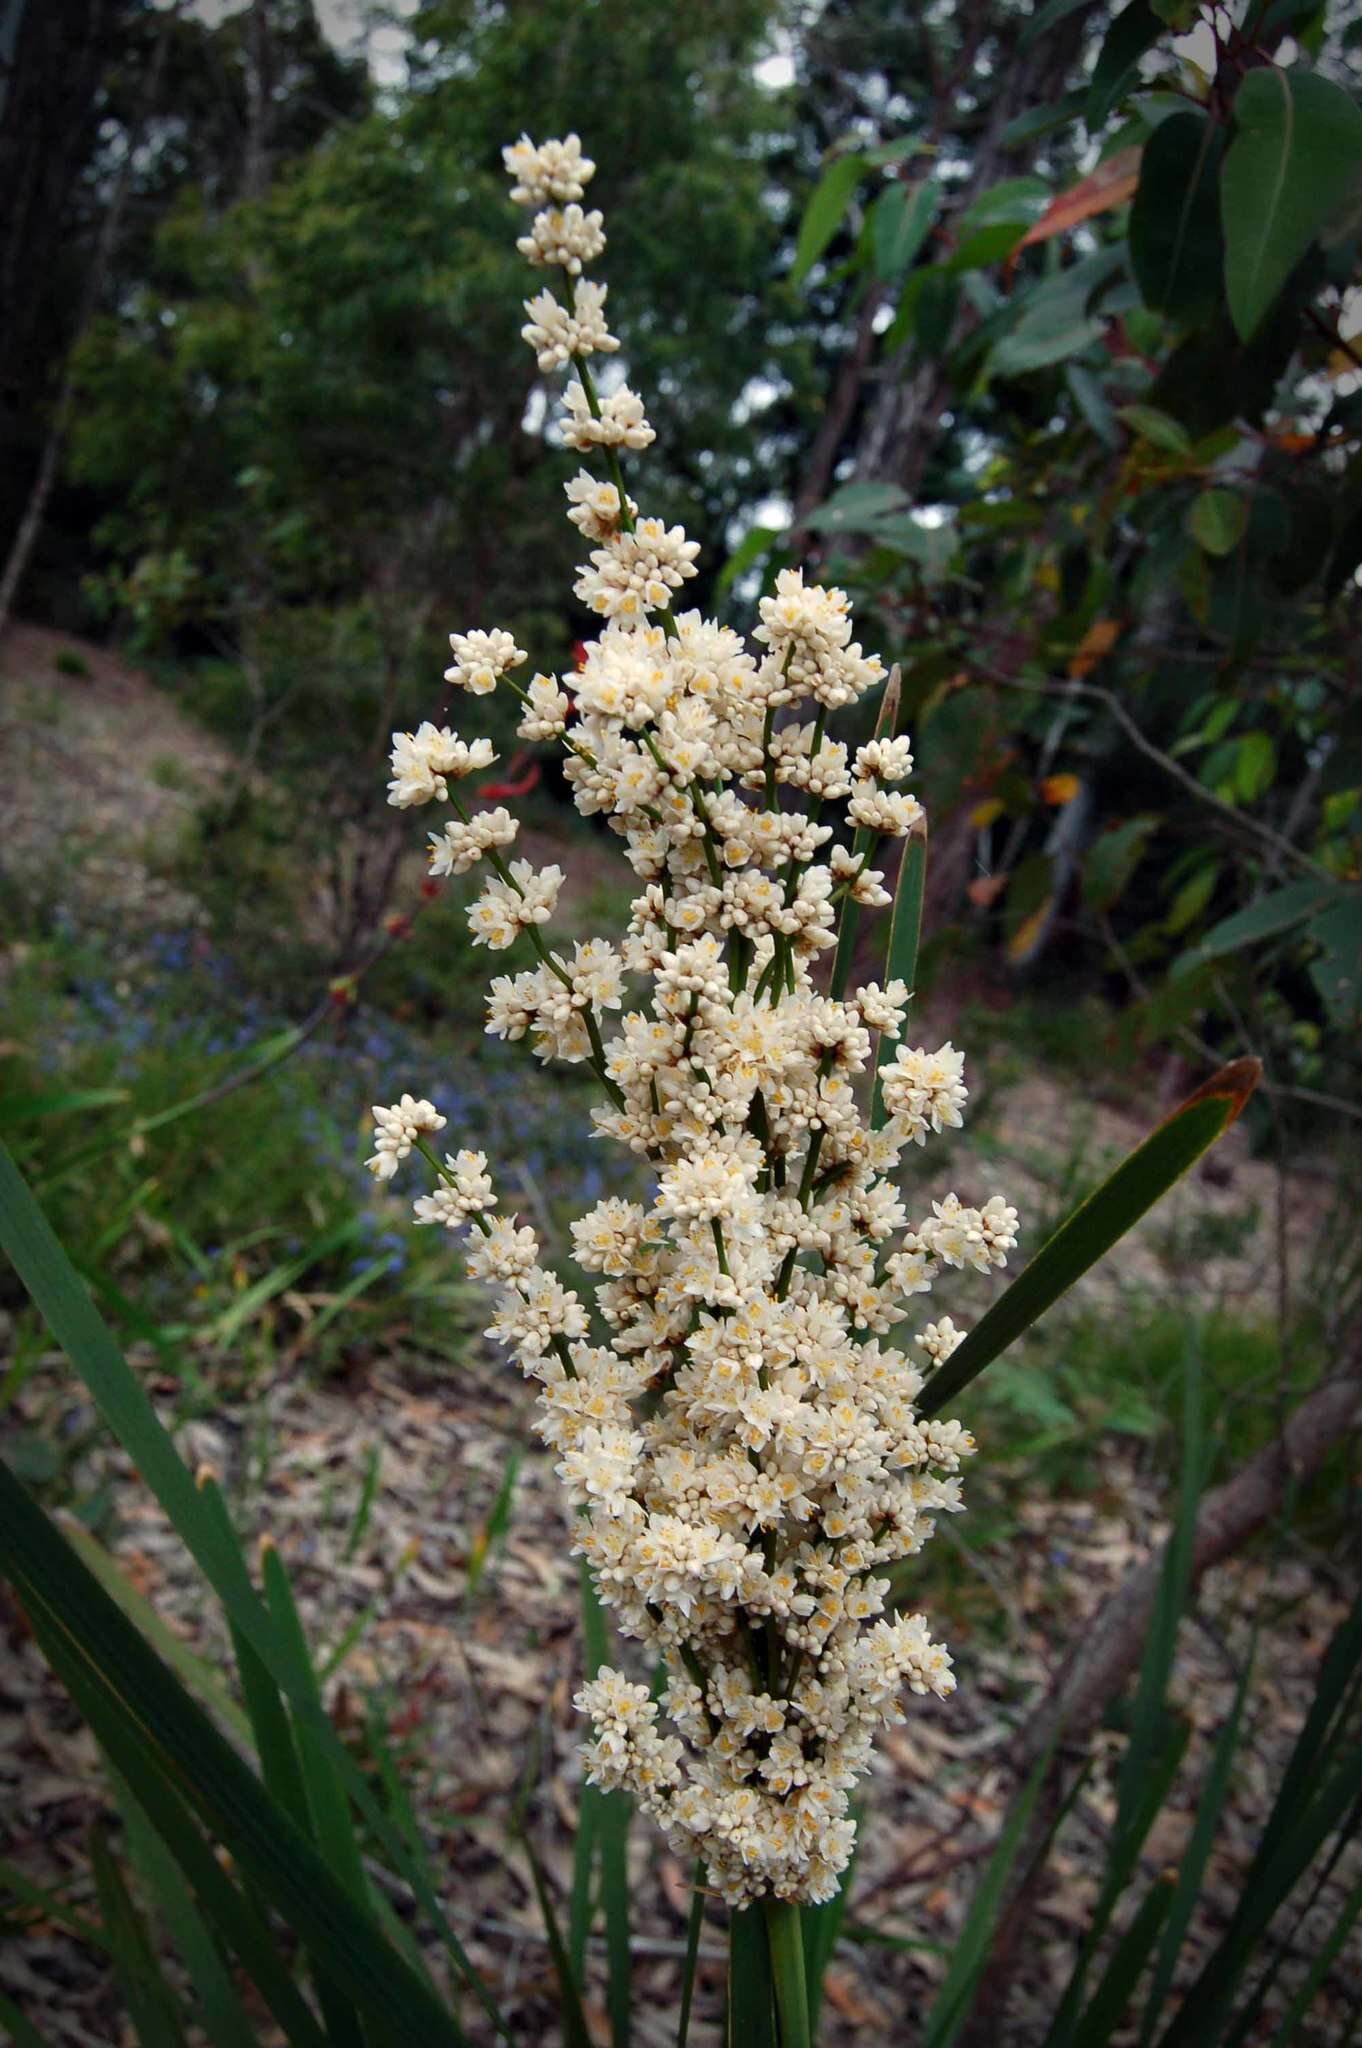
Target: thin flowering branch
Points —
{"points": [[742, 1449]]}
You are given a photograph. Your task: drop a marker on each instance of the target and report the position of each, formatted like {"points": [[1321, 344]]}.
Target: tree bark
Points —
{"points": [[1107, 1654]]}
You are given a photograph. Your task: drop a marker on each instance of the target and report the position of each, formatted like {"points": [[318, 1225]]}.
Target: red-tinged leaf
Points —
{"points": [[1112, 184]]}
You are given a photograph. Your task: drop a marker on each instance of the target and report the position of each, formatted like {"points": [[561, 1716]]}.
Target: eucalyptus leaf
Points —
{"points": [[824, 213], [1217, 520], [900, 222], [1175, 240], [1296, 153]]}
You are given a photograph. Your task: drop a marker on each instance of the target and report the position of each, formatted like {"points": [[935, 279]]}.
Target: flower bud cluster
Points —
{"points": [[728, 1403]]}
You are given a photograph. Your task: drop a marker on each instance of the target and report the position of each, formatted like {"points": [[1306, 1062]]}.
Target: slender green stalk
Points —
{"points": [[786, 1941]]}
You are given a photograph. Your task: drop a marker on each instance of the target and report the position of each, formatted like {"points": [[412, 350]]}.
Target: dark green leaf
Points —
{"points": [[751, 2013], [1045, 18], [856, 508], [1217, 520], [1337, 973], [1129, 36], [151, 2005], [1296, 152], [1040, 120], [905, 932], [786, 1943], [1159, 428], [1280, 911], [1175, 243], [1113, 859], [824, 212], [900, 222], [45, 1270], [695, 1921], [934, 311], [162, 1726], [1102, 1220]]}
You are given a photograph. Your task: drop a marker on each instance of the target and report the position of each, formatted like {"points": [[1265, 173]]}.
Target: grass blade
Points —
{"points": [[605, 1818], [159, 1720], [576, 2033], [333, 1827], [1151, 1169], [46, 1271], [48, 1905], [150, 2002], [198, 1674], [751, 2019], [821, 1927], [265, 1709], [22, 2032], [786, 1941], [905, 933], [1319, 1970], [228, 1910], [1117, 1985], [1210, 1806], [971, 1948], [493, 1531], [218, 2009], [328, 1819], [1122, 1858], [1148, 1720]]}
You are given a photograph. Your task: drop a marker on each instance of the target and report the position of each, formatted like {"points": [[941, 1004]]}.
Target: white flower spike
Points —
{"points": [[740, 1521]]}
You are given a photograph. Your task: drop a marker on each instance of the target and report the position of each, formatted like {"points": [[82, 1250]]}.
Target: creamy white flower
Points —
{"points": [[426, 761], [506, 908], [397, 1130], [743, 1443], [564, 236], [637, 571], [464, 1192], [481, 658], [547, 170], [460, 844], [886, 811], [594, 505], [559, 333], [621, 422]]}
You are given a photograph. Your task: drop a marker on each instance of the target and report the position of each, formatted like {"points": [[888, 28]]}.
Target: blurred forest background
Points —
{"points": [[948, 303]]}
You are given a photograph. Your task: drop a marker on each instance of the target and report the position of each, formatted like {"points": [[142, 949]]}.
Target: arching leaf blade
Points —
{"points": [[1108, 1213]]}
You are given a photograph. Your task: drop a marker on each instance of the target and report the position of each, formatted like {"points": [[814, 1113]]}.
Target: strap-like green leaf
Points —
{"points": [[1099, 1223], [751, 2019], [787, 1972], [905, 933], [1280, 911], [216, 2005], [159, 1720], [47, 1273], [150, 2002]]}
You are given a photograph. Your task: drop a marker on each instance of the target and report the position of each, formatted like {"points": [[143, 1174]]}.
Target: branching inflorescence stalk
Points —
{"points": [[733, 1424]]}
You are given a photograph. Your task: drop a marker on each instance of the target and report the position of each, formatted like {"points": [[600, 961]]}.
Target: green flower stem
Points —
{"points": [[785, 1935]]}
